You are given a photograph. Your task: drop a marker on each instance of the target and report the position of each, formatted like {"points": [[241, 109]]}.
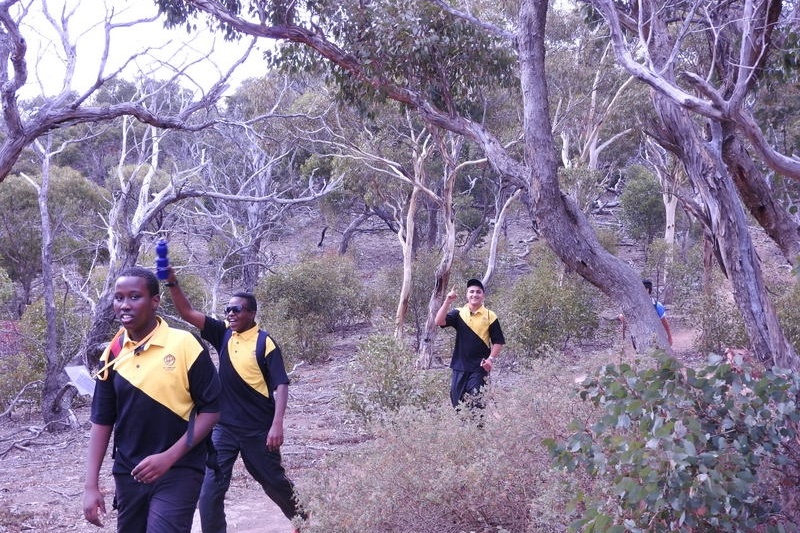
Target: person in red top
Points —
{"points": [[479, 340], [252, 405], [158, 391]]}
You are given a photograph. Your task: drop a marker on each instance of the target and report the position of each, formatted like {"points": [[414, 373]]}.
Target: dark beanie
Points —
{"points": [[474, 283]]}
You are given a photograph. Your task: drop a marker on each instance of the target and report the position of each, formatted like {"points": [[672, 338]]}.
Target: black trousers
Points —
{"points": [[466, 386], [165, 506], [264, 465]]}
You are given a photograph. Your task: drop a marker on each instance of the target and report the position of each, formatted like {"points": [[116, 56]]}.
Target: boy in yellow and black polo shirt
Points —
{"points": [[159, 392], [479, 340], [252, 405]]}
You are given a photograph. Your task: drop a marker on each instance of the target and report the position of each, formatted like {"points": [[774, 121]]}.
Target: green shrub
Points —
{"points": [[7, 294], [327, 287], [30, 363], [387, 380], [643, 213], [683, 450], [72, 320], [297, 341], [609, 239], [788, 307], [308, 300], [549, 307], [719, 321], [16, 371]]}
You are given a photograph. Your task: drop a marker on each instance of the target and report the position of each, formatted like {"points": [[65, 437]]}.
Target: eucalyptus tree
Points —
{"points": [[709, 65], [591, 98], [20, 249], [437, 59], [52, 222], [68, 105], [411, 175], [54, 236], [393, 168], [75, 219], [256, 172]]}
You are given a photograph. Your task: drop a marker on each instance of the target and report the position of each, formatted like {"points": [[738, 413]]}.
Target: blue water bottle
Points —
{"points": [[162, 263]]}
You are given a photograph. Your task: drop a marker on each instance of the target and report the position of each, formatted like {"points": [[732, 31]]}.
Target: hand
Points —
{"points": [[94, 506], [452, 295], [151, 468], [486, 364], [171, 277], [275, 438]]}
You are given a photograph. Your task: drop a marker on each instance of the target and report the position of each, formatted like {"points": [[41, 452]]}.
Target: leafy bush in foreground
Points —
{"points": [[685, 450]]}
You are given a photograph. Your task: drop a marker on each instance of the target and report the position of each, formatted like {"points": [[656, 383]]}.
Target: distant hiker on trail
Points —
{"points": [[479, 340], [660, 310], [252, 405], [159, 392]]}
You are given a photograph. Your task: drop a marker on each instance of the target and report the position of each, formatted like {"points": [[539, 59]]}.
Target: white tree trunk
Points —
{"points": [[55, 415], [406, 236]]}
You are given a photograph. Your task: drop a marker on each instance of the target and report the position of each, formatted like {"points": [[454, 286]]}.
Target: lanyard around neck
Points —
{"points": [[137, 348]]}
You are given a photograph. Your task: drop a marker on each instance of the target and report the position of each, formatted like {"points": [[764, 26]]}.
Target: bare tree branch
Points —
{"points": [[472, 19], [12, 404], [756, 27]]}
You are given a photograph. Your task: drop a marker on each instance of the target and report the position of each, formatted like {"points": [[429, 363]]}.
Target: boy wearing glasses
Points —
{"points": [[252, 405]]}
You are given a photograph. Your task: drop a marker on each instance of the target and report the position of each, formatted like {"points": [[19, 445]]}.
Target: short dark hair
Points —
{"points": [[648, 284], [474, 282], [145, 274], [252, 304]]}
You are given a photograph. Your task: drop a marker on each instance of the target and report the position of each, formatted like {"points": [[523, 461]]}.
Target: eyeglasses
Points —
{"points": [[235, 309]]}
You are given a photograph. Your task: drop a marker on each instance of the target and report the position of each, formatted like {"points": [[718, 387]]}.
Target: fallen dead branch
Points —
{"points": [[19, 396], [26, 443]]}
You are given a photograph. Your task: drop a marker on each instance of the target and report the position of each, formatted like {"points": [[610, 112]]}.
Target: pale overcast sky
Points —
{"points": [[45, 54]]}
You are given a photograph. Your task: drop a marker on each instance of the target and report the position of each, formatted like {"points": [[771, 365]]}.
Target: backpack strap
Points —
{"points": [[225, 338], [261, 352], [115, 346], [261, 357], [261, 348]]}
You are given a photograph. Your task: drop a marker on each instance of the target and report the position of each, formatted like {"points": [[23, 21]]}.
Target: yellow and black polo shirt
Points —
{"points": [[149, 393], [248, 381], [475, 334]]}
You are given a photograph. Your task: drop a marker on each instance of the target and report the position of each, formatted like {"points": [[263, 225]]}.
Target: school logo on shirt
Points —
{"points": [[169, 362]]}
